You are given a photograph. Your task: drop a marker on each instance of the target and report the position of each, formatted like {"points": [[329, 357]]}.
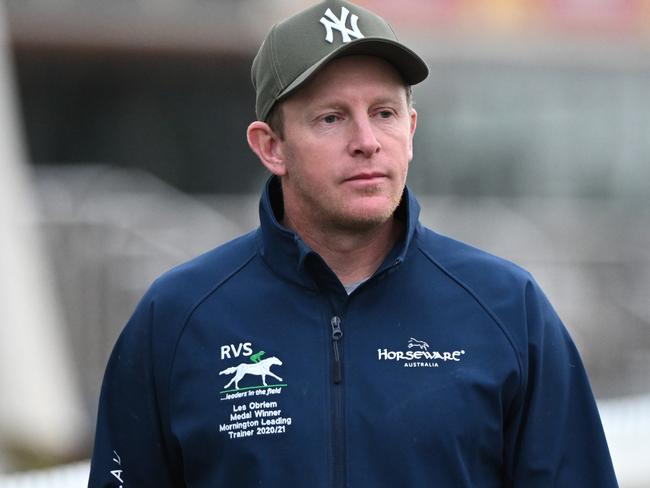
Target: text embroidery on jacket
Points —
{"points": [[419, 356], [117, 473], [248, 418]]}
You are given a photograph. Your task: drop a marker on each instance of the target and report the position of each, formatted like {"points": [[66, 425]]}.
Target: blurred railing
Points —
{"points": [[110, 233]]}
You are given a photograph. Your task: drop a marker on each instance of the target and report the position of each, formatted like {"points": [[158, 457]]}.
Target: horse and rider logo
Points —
{"points": [[415, 343], [257, 366]]}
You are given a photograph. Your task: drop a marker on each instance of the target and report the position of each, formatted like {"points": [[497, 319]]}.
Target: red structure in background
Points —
{"points": [[598, 15], [588, 17]]}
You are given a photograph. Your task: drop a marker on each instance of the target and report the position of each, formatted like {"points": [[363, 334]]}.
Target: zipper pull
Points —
{"points": [[337, 334]]}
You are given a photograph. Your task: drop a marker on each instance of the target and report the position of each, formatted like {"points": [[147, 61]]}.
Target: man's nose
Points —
{"points": [[363, 140]]}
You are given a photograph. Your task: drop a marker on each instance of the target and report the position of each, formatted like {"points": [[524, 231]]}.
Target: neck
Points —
{"points": [[352, 255]]}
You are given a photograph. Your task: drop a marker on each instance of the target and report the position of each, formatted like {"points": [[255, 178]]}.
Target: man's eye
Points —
{"points": [[330, 119], [385, 114]]}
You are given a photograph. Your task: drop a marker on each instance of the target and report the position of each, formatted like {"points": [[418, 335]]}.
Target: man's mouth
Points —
{"points": [[369, 176]]}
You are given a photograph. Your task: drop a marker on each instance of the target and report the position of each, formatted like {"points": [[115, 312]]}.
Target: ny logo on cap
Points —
{"points": [[332, 22]]}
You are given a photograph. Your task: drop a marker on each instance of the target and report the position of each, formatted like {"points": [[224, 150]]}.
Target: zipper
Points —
{"points": [[338, 448], [337, 335]]}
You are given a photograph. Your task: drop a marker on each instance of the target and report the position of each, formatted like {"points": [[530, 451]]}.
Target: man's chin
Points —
{"points": [[366, 219]]}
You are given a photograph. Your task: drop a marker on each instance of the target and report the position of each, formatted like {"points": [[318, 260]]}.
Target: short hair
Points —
{"points": [[275, 119]]}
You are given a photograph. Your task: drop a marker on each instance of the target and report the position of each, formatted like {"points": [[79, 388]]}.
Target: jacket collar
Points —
{"points": [[288, 255]]}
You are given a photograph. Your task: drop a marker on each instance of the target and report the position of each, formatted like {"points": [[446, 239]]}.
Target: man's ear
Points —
{"points": [[413, 122], [267, 145]]}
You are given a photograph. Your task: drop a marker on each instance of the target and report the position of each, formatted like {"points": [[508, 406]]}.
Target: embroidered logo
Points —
{"points": [[260, 368], [247, 417], [422, 358], [333, 22], [242, 383], [421, 344]]}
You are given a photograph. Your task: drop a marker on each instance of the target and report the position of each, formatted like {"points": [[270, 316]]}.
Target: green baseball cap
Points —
{"points": [[296, 48]]}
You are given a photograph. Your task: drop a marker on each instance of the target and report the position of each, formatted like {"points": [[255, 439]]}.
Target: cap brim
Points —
{"points": [[412, 68]]}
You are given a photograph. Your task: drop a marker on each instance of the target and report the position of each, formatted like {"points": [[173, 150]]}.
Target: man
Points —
{"points": [[341, 343]]}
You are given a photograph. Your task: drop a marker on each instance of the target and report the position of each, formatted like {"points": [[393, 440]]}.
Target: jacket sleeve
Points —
{"points": [[129, 448], [554, 437]]}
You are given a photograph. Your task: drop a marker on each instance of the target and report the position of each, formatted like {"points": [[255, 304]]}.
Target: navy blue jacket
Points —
{"points": [[251, 366]]}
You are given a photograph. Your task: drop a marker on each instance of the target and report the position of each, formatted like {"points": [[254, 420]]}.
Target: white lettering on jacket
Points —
{"points": [[386, 355], [234, 351]]}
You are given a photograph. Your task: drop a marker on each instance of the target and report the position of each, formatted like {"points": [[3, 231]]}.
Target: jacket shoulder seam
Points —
{"points": [[190, 313], [475, 296]]}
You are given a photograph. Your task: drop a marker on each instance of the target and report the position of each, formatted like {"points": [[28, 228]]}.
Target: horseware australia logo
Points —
{"points": [[421, 344], [333, 22], [256, 366], [419, 356]]}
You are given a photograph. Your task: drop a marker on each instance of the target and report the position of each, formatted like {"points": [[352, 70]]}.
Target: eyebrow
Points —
{"points": [[339, 104]]}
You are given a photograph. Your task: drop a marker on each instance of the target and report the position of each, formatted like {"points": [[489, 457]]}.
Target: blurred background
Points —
{"points": [[123, 153]]}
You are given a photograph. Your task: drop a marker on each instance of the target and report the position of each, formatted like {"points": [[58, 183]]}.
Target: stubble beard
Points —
{"points": [[338, 215], [342, 217]]}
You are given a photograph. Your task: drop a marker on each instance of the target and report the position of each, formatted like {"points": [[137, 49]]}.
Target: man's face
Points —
{"points": [[347, 144]]}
